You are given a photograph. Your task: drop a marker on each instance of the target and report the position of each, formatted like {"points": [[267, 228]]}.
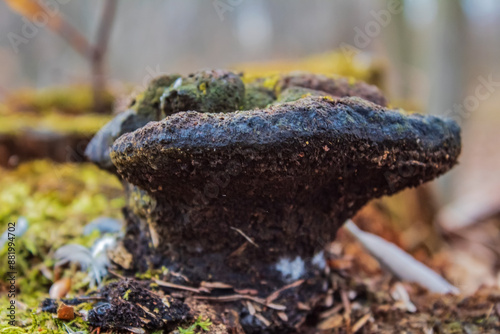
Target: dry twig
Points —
{"points": [[276, 293], [232, 298], [180, 287], [245, 236], [361, 322]]}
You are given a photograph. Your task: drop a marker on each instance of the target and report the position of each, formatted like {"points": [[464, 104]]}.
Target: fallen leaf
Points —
{"points": [[361, 322], [65, 312], [60, 288], [332, 322], [400, 263], [215, 285]]}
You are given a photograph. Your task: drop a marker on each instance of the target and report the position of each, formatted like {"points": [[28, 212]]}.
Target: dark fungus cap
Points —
{"points": [[218, 91], [288, 175]]}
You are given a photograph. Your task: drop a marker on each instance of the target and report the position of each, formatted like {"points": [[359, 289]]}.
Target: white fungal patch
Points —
{"points": [[319, 260], [291, 270], [177, 83], [168, 90]]}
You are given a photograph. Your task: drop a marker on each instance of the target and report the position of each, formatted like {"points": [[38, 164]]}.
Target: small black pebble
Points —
{"points": [[49, 305]]}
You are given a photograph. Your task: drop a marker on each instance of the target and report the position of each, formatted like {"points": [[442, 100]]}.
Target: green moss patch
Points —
{"points": [[57, 200]]}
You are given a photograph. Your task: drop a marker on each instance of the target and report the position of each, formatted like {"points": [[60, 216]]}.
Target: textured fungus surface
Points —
{"points": [[143, 109], [244, 184], [339, 87], [205, 91], [285, 177], [217, 91]]}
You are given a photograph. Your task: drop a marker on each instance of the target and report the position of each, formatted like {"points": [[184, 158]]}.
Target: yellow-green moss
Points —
{"points": [[199, 323], [57, 200], [203, 88], [329, 63], [58, 123], [77, 99]]}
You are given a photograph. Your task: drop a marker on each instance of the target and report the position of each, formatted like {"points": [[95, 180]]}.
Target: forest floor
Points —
{"points": [[58, 200]]}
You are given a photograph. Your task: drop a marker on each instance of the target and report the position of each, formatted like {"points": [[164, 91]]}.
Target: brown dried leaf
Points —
{"points": [[215, 285], [60, 288], [251, 308], [273, 296], [340, 264], [282, 316], [266, 322], [65, 312], [361, 322], [334, 321]]}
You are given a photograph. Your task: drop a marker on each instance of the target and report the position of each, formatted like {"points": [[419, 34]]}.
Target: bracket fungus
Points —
{"points": [[244, 184]]}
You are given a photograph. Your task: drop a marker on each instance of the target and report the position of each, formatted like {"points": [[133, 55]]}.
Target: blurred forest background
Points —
{"points": [[435, 53], [437, 57]]}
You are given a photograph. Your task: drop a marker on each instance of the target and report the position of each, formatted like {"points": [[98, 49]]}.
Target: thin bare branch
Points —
{"points": [[232, 298], [100, 48], [104, 30], [245, 236], [277, 293], [179, 287], [72, 36]]}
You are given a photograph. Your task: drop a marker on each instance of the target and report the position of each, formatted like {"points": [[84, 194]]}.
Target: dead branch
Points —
{"points": [[180, 287], [94, 54], [277, 293], [99, 50], [232, 298]]}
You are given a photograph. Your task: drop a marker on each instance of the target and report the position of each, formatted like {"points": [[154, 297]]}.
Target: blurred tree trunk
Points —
{"points": [[94, 54], [447, 70], [98, 55], [400, 44]]}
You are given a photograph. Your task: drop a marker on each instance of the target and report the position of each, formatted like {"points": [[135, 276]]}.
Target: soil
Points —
{"points": [[16, 149], [130, 304]]}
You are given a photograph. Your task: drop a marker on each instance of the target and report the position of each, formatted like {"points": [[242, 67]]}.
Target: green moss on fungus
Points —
{"points": [[147, 103], [295, 93], [204, 91], [257, 96]]}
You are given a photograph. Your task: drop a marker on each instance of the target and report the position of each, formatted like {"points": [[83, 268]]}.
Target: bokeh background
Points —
{"points": [[436, 57]]}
